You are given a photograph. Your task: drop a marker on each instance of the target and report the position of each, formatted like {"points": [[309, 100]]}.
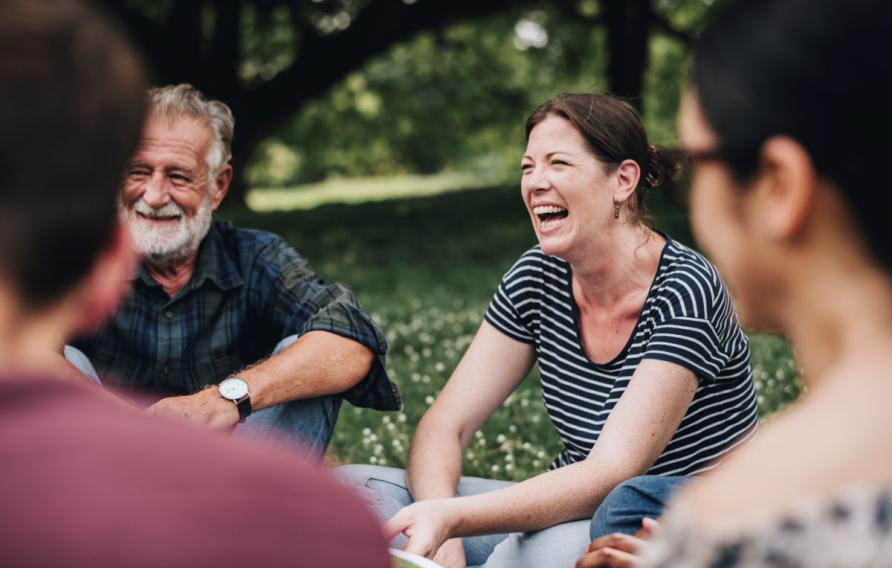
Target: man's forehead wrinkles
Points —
{"points": [[176, 152]]}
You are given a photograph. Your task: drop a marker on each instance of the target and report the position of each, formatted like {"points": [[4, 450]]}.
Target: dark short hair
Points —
{"points": [[71, 108], [613, 131], [819, 72]]}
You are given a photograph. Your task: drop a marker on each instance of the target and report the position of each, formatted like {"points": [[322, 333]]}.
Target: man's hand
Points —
{"points": [[205, 407], [427, 524], [451, 554], [618, 550]]}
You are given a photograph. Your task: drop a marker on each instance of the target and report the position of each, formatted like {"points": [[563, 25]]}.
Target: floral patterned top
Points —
{"points": [[851, 529]]}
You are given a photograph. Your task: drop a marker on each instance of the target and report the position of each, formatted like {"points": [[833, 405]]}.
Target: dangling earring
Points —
{"points": [[616, 209]]}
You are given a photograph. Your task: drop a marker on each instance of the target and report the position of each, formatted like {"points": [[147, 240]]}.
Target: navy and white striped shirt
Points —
{"points": [[687, 319]]}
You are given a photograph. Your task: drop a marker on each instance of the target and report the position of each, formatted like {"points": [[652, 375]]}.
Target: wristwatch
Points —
{"points": [[236, 389]]}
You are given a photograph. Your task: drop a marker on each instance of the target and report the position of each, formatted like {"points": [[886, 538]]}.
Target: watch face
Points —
{"points": [[233, 388]]}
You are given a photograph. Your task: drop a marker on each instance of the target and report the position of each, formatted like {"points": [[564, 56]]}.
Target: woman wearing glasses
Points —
{"points": [[788, 110]]}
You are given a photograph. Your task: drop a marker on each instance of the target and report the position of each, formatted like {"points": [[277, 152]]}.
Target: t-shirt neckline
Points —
{"points": [[574, 310]]}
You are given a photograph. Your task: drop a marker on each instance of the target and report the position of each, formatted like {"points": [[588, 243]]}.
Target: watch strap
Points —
{"points": [[244, 407]]}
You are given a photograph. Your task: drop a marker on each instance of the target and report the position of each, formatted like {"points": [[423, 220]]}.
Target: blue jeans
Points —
{"points": [[632, 500], [308, 423], [561, 545]]}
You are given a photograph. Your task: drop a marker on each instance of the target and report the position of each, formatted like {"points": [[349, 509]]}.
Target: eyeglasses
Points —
{"points": [[687, 159], [692, 157]]}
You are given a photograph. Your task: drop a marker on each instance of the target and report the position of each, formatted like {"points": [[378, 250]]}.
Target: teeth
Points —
{"points": [[546, 209]]}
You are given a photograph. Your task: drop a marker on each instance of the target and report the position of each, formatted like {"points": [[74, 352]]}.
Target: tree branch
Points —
{"points": [[663, 24], [322, 60]]}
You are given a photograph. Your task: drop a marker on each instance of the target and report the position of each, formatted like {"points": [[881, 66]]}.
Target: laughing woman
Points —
{"points": [[644, 369]]}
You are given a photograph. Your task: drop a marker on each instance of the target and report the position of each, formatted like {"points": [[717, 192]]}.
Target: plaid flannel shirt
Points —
{"points": [[250, 290]]}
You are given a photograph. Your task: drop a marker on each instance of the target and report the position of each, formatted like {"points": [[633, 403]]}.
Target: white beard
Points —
{"points": [[173, 242]]}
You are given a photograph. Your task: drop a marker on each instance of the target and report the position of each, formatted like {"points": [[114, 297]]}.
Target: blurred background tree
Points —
{"points": [[371, 87]]}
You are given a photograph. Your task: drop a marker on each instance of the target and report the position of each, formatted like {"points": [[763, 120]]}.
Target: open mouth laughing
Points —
{"points": [[550, 216]]}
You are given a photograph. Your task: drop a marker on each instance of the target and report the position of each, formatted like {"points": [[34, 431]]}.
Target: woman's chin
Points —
{"points": [[553, 245]]}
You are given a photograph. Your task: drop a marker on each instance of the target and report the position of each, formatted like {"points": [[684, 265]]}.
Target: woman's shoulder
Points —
{"points": [[851, 526], [687, 277], [682, 262], [832, 439]]}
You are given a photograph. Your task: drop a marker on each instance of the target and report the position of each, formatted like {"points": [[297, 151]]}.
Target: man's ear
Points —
{"points": [[786, 193], [626, 175], [221, 186], [108, 281]]}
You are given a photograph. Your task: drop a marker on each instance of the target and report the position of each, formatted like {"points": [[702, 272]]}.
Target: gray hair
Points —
{"points": [[186, 100]]}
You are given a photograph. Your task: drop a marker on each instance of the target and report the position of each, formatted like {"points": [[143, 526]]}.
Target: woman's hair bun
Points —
{"points": [[662, 167]]}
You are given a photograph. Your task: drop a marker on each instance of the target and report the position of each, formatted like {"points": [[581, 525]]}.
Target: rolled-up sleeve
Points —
{"points": [[296, 300]]}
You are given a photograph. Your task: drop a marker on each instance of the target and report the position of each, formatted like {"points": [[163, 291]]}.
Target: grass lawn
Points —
{"points": [[426, 267]]}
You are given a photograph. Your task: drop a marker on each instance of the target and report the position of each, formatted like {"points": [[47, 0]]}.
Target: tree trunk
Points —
{"points": [[628, 32]]}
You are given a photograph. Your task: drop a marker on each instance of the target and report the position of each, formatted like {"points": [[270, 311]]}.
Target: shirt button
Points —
{"points": [[169, 314]]}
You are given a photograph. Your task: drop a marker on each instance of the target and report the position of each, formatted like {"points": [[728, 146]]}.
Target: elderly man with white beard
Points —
{"points": [[226, 325]]}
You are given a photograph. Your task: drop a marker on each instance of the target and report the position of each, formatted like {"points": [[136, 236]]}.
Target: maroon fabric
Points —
{"points": [[85, 483]]}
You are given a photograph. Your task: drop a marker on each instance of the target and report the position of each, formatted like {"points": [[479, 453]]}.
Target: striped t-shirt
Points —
{"points": [[687, 319]]}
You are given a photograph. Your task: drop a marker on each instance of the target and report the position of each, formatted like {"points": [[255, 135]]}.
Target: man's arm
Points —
{"points": [[319, 363]]}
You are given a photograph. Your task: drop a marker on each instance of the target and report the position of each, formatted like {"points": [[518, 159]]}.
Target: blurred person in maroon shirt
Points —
{"points": [[86, 481]]}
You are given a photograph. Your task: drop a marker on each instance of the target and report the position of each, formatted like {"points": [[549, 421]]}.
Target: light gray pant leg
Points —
{"points": [[385, 490], [81, 362], [307, 422], [559, 546]]}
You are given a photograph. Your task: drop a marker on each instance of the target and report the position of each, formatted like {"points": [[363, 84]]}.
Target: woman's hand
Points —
{"points": [[427, 524], [618, 550], [451, 554]]}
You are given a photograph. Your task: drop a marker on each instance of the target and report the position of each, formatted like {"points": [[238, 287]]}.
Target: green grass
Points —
{"points": [[426, 269]]}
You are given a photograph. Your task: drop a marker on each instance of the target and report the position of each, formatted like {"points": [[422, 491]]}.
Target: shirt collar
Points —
{"points": [[214, 263]]}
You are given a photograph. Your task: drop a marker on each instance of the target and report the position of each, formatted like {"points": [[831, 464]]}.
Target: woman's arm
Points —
{"points": [[489, 371], [636, 432]]}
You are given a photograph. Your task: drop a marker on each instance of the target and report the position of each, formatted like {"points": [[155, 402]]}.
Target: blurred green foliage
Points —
{"points": [[456, 99], [426, 269]]}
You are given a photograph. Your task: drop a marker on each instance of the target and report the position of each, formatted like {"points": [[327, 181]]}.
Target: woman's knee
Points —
{"points": [[361, 474], [632, 500], [383, 487]]}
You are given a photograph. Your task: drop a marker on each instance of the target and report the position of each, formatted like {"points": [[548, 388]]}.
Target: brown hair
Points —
{"points": [[71, 108], [613, 130]]}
